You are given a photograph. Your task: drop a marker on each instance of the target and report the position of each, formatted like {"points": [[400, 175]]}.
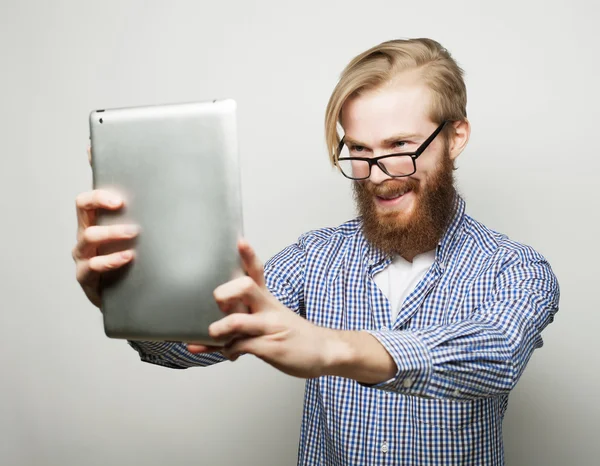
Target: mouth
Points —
{"points": [[392, 199], [392, 196]]}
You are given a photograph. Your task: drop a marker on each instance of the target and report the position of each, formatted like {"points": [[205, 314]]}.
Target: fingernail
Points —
{"points": [[114, 202], [131, 230], [126, 254]]}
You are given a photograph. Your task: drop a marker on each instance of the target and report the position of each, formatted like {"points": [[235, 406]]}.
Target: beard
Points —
{"points": [[414, 232]]}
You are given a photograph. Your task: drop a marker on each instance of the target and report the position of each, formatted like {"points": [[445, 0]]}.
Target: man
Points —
{"points": [[412, 322]]}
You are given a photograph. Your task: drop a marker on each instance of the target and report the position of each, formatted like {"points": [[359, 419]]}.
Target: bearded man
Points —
{"points": [[412, 322]]}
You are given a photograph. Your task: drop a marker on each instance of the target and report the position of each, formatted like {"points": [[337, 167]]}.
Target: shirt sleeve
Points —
{"points": [[284, 277], [173, 355], [484, 355]]}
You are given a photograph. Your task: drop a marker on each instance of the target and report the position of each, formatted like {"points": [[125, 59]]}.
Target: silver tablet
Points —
{"points": [[176, 167]]}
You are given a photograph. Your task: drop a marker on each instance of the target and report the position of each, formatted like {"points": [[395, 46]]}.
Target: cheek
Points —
{"points": [[428, 164], [425, 168]]}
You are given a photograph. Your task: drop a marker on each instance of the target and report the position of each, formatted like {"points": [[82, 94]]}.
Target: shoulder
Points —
{"points": [[330, 237], [486, 241], [512, 260], [319, 247]]}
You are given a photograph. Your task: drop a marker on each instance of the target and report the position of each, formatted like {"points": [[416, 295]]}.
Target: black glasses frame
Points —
{"points": [[375, 160]]}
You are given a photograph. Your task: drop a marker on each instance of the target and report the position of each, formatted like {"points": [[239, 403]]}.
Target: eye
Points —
{"points": [[357, 148], [400, 143]]}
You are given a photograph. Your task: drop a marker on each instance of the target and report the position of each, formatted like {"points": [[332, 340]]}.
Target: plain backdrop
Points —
{"points": [[69, 396]]}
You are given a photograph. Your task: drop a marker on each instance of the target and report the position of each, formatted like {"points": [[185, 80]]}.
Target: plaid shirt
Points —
{"points": [[461, 341]]}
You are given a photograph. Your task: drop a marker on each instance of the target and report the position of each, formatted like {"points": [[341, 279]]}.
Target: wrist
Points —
{"points": [[356, 355], [339, 352]]}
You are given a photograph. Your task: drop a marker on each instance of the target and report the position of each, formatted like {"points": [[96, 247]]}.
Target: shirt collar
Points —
{"points": [[451, 236]]}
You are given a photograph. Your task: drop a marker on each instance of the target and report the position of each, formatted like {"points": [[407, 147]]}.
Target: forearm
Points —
{"points": [[358, 356], [410, 363], [481, 356]]}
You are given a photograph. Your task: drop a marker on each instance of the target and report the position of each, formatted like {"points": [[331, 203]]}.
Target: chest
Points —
{"points": [[347, 297]]}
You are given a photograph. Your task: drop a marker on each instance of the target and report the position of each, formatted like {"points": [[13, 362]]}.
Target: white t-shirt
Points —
{"points": [[401, 277]]}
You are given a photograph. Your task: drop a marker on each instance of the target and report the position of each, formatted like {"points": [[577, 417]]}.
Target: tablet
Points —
{"points": [[176, 167]]}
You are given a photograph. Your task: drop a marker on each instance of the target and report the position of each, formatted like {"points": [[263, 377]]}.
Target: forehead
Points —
{"points": [[401, 106]]}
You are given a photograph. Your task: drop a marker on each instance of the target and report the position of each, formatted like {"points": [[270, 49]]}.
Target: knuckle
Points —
{"points": [[110, 264], [247, 284], [89, 234], [218, 293], [79, 200], [95, 197], [78, 274], [94, 263], [81, 272], [271, 320], [102, 263], [116, 260], [235, 323]]}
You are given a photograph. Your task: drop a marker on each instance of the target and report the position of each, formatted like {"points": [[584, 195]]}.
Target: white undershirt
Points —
{"points": [[401, 277]]}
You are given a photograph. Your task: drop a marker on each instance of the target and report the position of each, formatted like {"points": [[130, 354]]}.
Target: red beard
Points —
{"points": [[422, 229]]}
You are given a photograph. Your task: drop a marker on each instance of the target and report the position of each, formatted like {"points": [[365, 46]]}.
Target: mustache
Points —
{"points": [[390, 187]]}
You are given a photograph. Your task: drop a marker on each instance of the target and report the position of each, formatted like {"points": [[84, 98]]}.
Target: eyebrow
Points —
{"points": [[397, 137]]}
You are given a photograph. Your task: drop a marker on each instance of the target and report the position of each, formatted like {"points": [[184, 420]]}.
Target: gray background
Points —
{"points": [[70, 396]]}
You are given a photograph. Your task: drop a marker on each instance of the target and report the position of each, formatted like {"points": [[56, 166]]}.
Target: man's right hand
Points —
{"points": [[90, 265]]}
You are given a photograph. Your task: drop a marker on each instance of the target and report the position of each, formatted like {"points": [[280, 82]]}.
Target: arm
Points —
{"points": [[284, 277], [479, 357]]}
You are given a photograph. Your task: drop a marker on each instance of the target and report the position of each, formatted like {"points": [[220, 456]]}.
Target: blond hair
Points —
{"points": [[380, 64]]}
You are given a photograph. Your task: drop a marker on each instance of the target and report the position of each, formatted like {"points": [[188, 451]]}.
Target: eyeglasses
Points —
{"points": [[394, 165]]}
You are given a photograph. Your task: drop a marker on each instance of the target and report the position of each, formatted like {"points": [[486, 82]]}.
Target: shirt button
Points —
{"points": [[384, 328], [408, 382], [384, 447], [456, 393]]}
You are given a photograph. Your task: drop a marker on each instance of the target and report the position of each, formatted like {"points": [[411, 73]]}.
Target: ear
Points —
{"points": [[458, 142]]}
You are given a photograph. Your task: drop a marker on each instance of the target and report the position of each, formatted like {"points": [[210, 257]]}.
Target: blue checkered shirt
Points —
{"points": [[461, 341]]}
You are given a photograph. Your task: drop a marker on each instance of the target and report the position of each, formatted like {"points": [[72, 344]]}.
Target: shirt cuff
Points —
{"points": [[412, 359], [151, 348]]}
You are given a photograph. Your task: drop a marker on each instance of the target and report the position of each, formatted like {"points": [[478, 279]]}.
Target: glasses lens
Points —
{"points": [[355, 169], [398, 165]]}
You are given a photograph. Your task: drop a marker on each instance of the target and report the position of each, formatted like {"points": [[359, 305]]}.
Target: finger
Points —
{"points": [[109, 262], [198, 349], [252, 264], [238, 324], [243, 289], [238, 307], [89, 153], [233, 306], [88, 202], [94, 236], [255, 345], [98, 199]]}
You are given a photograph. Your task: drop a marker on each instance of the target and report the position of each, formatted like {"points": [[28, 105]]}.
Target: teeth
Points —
{"points": [[395, 196]]}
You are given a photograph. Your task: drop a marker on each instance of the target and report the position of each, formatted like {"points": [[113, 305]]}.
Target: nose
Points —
{"points": [[378, 176]]}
